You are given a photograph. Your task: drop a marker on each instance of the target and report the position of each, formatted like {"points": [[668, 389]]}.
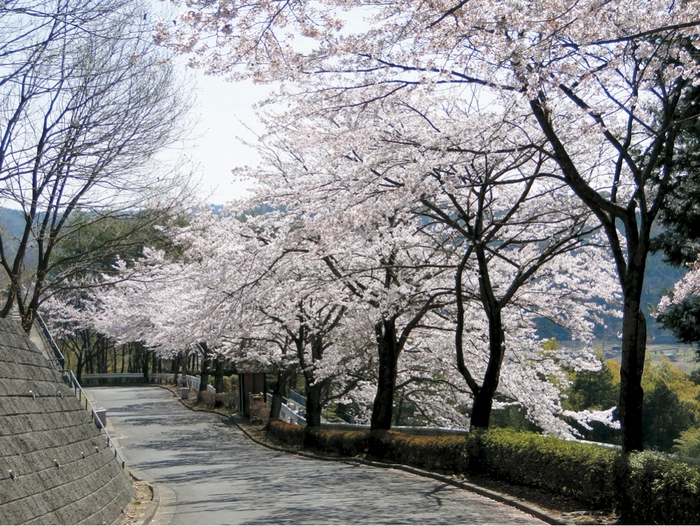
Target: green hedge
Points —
{"points": [[659, 490], [646, 488], [582, 471], [289, 434], [343, 443], [446, 453]]}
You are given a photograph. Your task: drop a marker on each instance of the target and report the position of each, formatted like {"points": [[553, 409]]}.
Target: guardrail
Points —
{"points": [[193, 382], [288, 415], [296, 397], [110, 376], [78, 392], [58, 355], [290, 411]]}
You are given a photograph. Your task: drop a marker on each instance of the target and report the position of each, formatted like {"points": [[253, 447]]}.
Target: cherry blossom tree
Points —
{"points": [[477, 185], [71, 324], [171, 304], [382, 198], [369, 245], [263, 304], [678, 311], [262, 289], [306, 313], [610, 84]]}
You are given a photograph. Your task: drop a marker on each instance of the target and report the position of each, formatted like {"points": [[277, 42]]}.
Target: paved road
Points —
{"points": [[212, 474]]}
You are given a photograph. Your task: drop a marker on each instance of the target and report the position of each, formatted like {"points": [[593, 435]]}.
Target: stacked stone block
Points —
{"points": [[55, 466]]}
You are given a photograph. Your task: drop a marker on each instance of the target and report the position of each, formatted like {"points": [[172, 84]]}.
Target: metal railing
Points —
{"points": [[193, 382], [290, 411], [78, 392], [288, 415], [58, 355], [299, 399], [110, 376]]}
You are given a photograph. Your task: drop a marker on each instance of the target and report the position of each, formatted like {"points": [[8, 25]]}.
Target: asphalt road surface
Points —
{"points": [[210, 473]]}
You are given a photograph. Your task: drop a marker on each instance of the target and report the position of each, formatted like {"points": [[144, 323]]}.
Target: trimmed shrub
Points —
{"points": [[584, 472], [227, 400], [446, 453], [646, 488], [289, 434], [207, 398], [658, 490], [344, 443]]}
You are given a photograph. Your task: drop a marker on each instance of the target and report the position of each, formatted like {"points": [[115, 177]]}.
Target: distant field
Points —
{"points": [[683, 356]]}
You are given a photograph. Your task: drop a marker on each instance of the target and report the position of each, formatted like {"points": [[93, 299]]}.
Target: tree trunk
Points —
{"points": [[28, 322], [314, 390], [204, 375], [145, 365], [278, 393], [314, 394], [79, 367], [483, 398], [219, 375], [28, 312], [185, 361], [387, 347], [132, 358], [638, 218], [9, 302], [101, 344], [176, 368], [634, 339]]}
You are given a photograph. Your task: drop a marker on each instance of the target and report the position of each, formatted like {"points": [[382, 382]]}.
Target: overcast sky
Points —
{"points": [[221, 115]]}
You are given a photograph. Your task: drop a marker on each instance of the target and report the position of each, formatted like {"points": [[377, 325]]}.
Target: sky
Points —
{"points": [[223, 112], [222, 115]]}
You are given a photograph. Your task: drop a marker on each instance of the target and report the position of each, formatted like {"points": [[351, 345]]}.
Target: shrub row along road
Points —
{"points": [[210, 473]]}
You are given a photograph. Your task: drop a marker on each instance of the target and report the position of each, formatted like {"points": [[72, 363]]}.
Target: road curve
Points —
{"points": [[214, 475]]}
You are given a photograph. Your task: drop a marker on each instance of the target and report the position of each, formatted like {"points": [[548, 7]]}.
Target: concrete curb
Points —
{"points": [[148, 515], [162, 498]]}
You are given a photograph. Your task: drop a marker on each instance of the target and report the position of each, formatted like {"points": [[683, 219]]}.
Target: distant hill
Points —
{"points": [[659, 279], [11, 227], [11, 221]]}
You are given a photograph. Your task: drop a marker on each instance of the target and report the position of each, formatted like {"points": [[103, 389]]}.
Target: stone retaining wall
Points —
{"points": [[55, 467]]}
